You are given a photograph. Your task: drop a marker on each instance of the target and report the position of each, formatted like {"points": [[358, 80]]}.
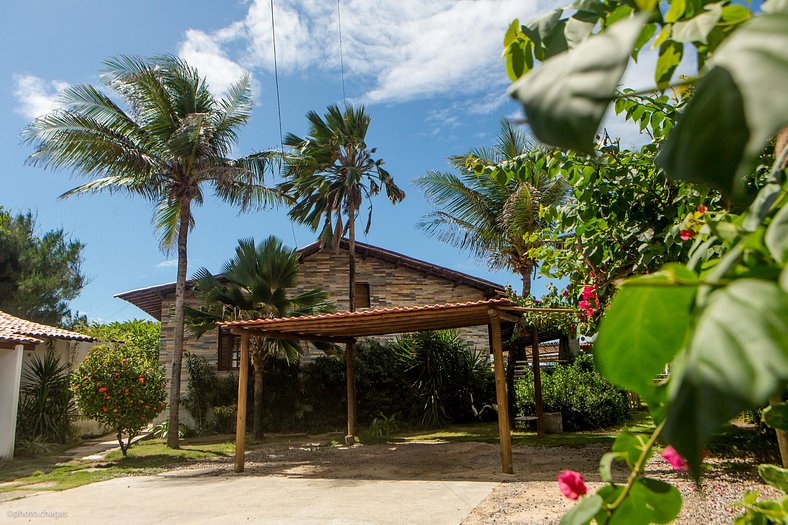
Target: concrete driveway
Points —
{"points": [[199, 497]]}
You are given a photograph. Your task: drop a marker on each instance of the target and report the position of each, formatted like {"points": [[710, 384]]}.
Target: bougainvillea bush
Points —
{"points": [[115, 386]]}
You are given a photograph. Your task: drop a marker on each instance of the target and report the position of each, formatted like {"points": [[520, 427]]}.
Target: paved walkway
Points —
{"points": [[200, 498]]}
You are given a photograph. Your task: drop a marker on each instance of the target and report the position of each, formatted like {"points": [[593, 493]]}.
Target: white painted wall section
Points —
{"points": [[10, 375]]}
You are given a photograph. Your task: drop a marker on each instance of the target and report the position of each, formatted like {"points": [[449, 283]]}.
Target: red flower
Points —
{"points": [[572, 484], [104, 409], [127, 391], [142, 379], [674, 458], [565, 293], [103, 389], [585, 305], [687, 235], [702, 209]]}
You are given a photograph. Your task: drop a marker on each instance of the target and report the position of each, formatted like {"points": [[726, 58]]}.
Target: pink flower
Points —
{"points": [[702, 209], [674, 458], [584, 305], [589, 292], [590, 313], [686, 235], [565, 293], [572, 484]]}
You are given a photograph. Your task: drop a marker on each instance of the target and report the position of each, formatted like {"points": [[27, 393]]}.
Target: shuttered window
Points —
{"points": [[229, 351], [362, 295]]}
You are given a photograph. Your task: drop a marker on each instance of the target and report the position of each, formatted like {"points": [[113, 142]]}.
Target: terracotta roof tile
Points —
{"points": [[16, 330], [374, 312]]}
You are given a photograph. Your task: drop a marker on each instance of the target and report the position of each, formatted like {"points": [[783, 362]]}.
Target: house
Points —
{"points": [[20, 340], [383, 279]]}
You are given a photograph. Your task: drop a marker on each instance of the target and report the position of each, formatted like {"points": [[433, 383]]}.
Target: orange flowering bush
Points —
{"points": [[115, 386]]}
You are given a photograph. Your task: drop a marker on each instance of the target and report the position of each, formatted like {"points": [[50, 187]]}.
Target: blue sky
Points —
{"points": [[429, 72]]}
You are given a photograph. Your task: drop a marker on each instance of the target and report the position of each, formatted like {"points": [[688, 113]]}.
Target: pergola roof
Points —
{"points": [[344, 326]]}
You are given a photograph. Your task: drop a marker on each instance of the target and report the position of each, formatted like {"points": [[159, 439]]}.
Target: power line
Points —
{"points": [[341, 55]]}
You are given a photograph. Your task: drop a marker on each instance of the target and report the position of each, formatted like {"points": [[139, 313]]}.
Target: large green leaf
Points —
{"points": [[670, 53], [776, 238], [776, 416], [646, 325], [649, 501], [697, 28], [774, 476], [737, 358], [566, 98], [632, 446], [738, 106], [583, 512]]}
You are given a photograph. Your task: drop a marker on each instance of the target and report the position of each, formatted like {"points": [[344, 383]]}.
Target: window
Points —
{"points": [[229, 351], [362, 295]]}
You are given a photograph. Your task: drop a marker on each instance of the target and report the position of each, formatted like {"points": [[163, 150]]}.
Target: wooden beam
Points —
{"points": [[298, 336], [350, 353], [537, 382], [240, 422], [544, 310], [504, 431]]}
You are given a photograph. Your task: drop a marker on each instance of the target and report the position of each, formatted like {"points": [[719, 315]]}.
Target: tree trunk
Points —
{"points": [[123, 447], [257, 424], [177, 351], [352, 253], [516, 351]]}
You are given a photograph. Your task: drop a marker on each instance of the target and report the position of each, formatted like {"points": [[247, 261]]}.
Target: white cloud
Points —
{"points": [[36, 96], [204, 52], [170, 263], [396, 49]]}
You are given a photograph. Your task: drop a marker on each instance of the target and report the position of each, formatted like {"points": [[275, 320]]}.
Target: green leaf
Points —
{"points": [[735, 14], [566, 98], [645, 35], [606, 464], [631, 446], [776, 416], [784, 279], [646, 5], [676, 11], [511, 33], [736, 359], [697, 28], [646, 325], [776, 238], [583, 512], [670, 53], [760, 207], [579, 27], [649, 501], [774, 476]]}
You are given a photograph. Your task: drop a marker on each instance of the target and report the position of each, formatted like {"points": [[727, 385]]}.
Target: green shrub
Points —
{"points": [[584, 398], [118, 387], [201, 391], [46, 407], [324, 394], [281, 396], [381, 386]]}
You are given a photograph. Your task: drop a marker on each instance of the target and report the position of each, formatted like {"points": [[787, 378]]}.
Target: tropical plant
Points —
{"points": [[201, 389], [446, 375], [140, 336], [118, 388], [493, 216], [722, 314], [46, 408], [255, 284], [330, 175], [39, 273], [173, 139]]}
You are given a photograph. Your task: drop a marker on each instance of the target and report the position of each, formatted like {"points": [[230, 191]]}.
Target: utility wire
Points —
{"points": [[279, 102], [341, 55]]}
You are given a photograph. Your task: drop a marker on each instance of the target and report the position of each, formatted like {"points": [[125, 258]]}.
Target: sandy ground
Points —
{"points": [[414, 482]]}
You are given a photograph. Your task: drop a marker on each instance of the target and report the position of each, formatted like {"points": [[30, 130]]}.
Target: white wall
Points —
{"points": [[10, 370]]}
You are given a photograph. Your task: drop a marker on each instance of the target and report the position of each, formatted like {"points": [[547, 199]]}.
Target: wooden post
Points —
{"points": [[537, 382], [504, 431], [350, 352], [240, 423]]}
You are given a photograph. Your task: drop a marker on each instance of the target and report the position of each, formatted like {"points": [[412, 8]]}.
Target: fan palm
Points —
{"points": [[173, 138], [330, 175], [490, 218], [255, 284]]}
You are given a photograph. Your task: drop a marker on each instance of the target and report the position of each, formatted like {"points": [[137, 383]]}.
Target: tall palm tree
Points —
{"points": [[490, 218], [255, 284], [330, 175], [173, 138]]}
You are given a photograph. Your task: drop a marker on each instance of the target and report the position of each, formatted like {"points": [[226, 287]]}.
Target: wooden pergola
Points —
{"points": [[345, 327]]}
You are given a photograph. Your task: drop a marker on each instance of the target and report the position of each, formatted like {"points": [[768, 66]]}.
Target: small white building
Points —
{"points": [[20, 340]]}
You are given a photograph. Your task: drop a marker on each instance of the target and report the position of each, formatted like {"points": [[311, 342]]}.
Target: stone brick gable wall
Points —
{"points": [[390, 286]]}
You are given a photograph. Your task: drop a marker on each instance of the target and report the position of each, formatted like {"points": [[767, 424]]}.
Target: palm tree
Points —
{"points": [[491, 218], [254, 285], [330, 175], [174, 138]]}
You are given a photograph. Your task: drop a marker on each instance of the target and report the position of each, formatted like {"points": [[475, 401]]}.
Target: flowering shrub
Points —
{"points": [[115, 386]]}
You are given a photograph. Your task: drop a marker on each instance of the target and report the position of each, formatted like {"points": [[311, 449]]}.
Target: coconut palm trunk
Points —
{"points": [[352, 255], [517, 350], [177, 351]]}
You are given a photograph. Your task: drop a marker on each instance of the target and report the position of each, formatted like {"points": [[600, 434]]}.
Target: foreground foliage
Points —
{"points": [[46, 406]]}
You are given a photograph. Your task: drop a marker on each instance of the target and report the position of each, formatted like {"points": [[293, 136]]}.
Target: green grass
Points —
{"points": [[488, 433], [144, 458]]}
